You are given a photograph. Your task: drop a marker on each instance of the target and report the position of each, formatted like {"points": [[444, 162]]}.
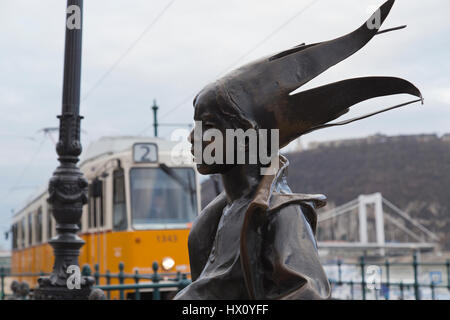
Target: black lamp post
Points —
{"points": [[68, 187], [155, 119]]}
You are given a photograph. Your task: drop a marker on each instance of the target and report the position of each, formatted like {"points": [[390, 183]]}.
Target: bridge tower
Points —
{"points": [[375, 199], [422, 238]]}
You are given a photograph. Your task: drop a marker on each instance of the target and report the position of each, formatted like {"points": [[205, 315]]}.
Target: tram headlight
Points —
{"points": [[167, 263]]}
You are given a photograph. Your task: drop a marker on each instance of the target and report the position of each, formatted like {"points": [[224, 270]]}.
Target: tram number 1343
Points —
{"points": [[167, 238]]}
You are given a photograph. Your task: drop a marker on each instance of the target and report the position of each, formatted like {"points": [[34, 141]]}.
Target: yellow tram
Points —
{"points": [[143, 197]]}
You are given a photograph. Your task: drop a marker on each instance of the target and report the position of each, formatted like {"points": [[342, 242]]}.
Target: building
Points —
{"points": [[375, 139], [446, 137], [5, 259]]}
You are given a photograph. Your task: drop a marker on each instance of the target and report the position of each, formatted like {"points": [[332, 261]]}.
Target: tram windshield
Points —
{"points": [[162, 197]]}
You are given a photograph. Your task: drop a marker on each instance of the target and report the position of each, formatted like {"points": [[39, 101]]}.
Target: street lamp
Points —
{"points": [[68, 187]]}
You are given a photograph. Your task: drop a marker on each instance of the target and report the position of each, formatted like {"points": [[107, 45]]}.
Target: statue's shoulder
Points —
{"points": [[204, 227], [305, 204], [278, 200], [202, 234], [211, 212]]}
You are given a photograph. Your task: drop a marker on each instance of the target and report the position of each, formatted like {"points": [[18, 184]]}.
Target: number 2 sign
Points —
{"points": [[145, 152]]}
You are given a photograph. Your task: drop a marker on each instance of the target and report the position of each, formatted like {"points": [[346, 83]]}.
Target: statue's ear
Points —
{"points": [[250, 125]]}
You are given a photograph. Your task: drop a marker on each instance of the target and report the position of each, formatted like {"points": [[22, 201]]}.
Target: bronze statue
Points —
{"points": [[256, 240]]}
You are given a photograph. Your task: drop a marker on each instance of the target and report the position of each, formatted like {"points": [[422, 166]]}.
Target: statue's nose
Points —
{"points": [[190, 137]]}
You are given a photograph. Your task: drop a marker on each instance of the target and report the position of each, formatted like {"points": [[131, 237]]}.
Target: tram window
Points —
{"points": [[22, 233], [119, 204], [162, 196], [38, 224], [14, 236], [91, 209], [30, 229], [49, 222], [95, 204]]}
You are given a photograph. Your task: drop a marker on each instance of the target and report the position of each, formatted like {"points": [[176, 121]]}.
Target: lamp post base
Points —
{"points": [[47, 291], [66, 281]]}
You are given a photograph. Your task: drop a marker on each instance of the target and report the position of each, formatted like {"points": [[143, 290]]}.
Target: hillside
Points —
{"points": [[413, 172]]}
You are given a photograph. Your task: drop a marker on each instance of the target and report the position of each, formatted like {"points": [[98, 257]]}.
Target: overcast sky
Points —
{"points": [[128, 61]]}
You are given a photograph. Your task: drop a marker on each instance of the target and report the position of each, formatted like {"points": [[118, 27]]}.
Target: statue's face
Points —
{"points": [[207, 113]]}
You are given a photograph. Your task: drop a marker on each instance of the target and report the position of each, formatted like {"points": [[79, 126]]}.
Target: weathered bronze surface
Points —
{"points": [[256, 240]]}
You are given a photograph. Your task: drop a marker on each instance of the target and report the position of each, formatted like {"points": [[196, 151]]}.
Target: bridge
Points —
{"points": [[373, 223]]}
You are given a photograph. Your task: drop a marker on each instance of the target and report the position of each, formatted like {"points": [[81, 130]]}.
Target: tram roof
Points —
{"points": [[102, 147], [31, 198], [112, 145]]}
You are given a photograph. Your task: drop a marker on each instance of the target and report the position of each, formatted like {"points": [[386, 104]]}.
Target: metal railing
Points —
{"points": [[176, 281], [154, 282], [381, 286], [361, 284], [23, 292]]}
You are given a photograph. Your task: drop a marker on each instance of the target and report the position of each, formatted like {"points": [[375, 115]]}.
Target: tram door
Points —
{"points": [[96, 240]]}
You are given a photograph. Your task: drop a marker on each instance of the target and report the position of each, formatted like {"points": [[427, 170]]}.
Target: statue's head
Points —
{"points": [[259, 94], [213, 111]]}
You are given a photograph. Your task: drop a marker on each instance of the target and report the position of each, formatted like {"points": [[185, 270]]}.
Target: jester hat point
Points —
{"points": [[261, 91]]}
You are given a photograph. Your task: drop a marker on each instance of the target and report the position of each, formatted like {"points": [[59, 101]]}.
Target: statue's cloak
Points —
{"points": [[278, 251]]}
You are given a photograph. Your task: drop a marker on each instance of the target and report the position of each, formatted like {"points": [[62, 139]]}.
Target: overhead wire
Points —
{"points": [[32, 159], [243, 56], [128, 50]]}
